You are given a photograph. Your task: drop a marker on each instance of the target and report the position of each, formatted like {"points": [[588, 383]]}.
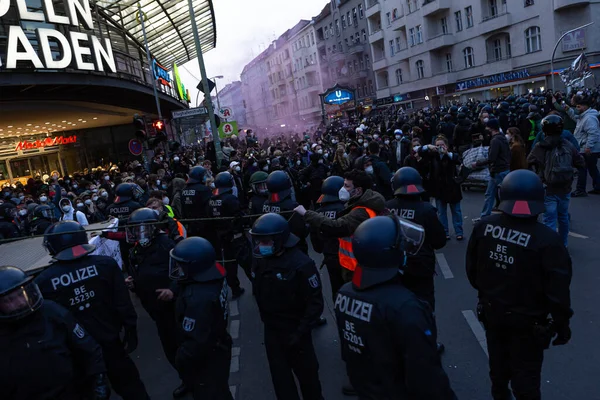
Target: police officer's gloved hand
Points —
{"points": [[100, 388], [130, 340], [563, 335]]}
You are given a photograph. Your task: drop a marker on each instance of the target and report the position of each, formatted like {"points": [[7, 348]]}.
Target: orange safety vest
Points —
{"points": [[345, 253]]}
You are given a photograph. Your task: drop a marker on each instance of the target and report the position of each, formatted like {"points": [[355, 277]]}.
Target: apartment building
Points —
{"points": [[256, 92], [429, 52], [231, 96]]}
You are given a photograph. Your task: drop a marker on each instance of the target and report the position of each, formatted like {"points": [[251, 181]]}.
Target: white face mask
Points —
{"points": [[334, 141], [360, 140], [343, 194], [365, 145], [79, 205], [43, 199], [107, 178], [104, 194], [176, 159], [255, 165], [67, 208], [22, 213], [75, 186], [158, 181], [387, 142], [165, 201], [305, 148], [298, 162], [237, 169], [326, 155], [398, 137], [369, 170], [320, 151], [95, 198], [320, 161], [266, 168], [485, 120], [375, 136], [94, 190], [88, 202]]}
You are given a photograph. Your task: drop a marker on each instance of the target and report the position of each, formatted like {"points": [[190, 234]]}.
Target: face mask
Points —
{"points": [[158, 181], [176, 159], [104, 194], [398, 137], [43, 199], [79, 205], [164, 186], [334, 141], [67, 181], [94, 190], [160, 158], [320, 161], [298, 162], [320, 151], [305, 148], [95, 198], [369, 170], [21, 198], [237, 169], [343, 194], [88, 202], [75, 186], [165, 201], [320, 142], [360, 140], [387, 142], [107, 178], [326, 155], [22, 213], [265, 250], [266, 168], [212, 185], [485, 120], [67, 208], [375, 136], [255, 165], [365, 145]]}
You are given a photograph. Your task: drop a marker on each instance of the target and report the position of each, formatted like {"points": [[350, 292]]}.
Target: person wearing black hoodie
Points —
{"points": [[313, 176]]}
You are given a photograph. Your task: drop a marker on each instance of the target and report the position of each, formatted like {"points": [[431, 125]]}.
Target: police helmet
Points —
{"points": [[270, 234], [511, 99], [124, 192], [279, 185], [19, 294], [464, 110], [521, 100], [258, 182], [223, 183], [194, 259], [552, 125], [197, 175], [447, 118], [488, 109], [141, 226], [8, 211], [380, 245], [453, 110], [407, 182], [522, 194], [503, 106], [525, 107], [461, 116], [330, 189], [67, 240], [43, 211]]}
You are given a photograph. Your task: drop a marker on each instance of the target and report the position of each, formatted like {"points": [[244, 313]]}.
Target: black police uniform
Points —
{"points": [[92, 288], [282, 202], [39, 225], [47, 356], [194, 204], [256, 204], [290, 300], [522, 272], [122, 210]]}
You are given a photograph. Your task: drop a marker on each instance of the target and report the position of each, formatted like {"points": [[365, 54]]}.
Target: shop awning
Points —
{"points": [[168, 26]]}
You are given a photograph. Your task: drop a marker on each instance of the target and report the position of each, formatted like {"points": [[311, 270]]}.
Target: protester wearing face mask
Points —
{"points": [[312, 178], [72, 214]]}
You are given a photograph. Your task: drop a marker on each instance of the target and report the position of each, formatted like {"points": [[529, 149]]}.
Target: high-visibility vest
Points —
{"points": [[170, 212], [345, 253]]}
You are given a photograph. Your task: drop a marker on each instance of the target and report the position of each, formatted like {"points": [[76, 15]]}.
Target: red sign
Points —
{"points": [[47, 142], [135, 147]]}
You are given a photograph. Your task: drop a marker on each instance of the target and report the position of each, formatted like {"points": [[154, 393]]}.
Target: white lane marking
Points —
{"points": [[234, 310], [234, 329], [234, 366], [577, 235], [233, 390], [477, 329], [444, 267]]}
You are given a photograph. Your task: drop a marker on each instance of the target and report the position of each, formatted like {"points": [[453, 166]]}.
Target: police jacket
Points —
{"points": [[288, 291], [424, 214], [388, 342], [521, 266], [277, 205], [225, 205], [321, 243], [201, 312], [194, 200], [256, 205], [122, 211], [8, 230], [45, 355], [93, 289]]}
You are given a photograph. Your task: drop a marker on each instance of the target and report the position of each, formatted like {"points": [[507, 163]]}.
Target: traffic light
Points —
{"points": [[161, 134], [140, 127]]}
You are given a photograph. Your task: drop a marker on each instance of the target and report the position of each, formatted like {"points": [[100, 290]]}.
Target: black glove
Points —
{"points": [[563, 335], [130, 340], [100, 388], [104, 234]]}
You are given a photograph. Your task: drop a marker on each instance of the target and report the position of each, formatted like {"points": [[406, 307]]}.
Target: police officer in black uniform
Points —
{"points": [[46, 354], [149, 278], [522, 272], [125, 203], [330, 205], [260, 193], [388, 335], [290, 301], [8, 229], [194, 200], [227, 234], [204, 353], [281, 201], [407, 203], [92, 288], [42, 219]]}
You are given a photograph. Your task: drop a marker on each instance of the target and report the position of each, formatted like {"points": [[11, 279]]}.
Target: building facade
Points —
{"points": [[434, 51], [231, 96], [256, 92]]}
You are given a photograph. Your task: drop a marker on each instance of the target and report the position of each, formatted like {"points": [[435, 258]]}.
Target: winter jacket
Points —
{"points": [[499, 155], [73, 214], [587, 130], [443, 171]]}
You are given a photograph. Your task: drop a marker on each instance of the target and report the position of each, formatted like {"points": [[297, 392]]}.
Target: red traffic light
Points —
{"points": [[159, 125]]}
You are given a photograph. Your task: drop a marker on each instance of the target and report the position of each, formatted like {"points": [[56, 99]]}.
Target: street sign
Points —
{"points": [[226, 112], [135, 147], [211, 86], [190, 112], [227, 129]]}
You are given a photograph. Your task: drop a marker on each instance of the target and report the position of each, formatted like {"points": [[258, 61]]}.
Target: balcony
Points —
{"points": [[562, 4], [441, 41], [310, 68], [380, 64], [373, 8], [398, 23], [337, 56], [362, 74], [432, 7], [376, 36], [496, 22], [356, 48], [497, 66]]}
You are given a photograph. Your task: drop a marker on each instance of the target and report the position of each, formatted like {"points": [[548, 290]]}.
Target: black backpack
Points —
{"points": [[559, 165]]}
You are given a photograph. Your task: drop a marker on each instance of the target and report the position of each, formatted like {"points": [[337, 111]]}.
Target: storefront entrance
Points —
{"points": [[22, 168]]}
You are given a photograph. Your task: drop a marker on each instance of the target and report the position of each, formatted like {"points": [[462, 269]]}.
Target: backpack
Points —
{"points": [[559, 166]]}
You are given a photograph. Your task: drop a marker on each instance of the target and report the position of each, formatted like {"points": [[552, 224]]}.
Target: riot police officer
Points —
{"points": [[388, 335], [329, 206], [522, 272], [42, 219], [125, 203], [92, 288], [280, 200], [46, 354], [260, 193], [227, 234], [149, 278], [204, 353], [194, 200], [290, 301], [8, 229]]}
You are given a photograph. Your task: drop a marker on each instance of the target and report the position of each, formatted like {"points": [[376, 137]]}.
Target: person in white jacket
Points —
{"points": [[70, 214]]}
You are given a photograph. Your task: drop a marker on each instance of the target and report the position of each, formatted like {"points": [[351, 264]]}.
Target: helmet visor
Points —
{"points": [[20, 302], [178, 268], [260, 188], [47, 213], [410, 237], [265, 245], [141, 234]]}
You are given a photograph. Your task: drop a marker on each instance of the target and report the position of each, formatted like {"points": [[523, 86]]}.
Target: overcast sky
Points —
{"points": [[244, 29]]}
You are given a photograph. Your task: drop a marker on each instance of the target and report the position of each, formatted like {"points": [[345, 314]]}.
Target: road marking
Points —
{"points": [[234, 366], [234, 310], [477, 329], [233, 390], [444, 267], [234, 329], [577, 235]]}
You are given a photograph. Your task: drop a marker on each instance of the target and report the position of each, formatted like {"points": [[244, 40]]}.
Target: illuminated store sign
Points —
{"points": [[182, 92], [340, 96], [47, 142], [79, 50], [161, 74]]}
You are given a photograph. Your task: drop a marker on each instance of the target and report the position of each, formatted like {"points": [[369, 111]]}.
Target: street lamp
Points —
{"points": [[215, 79], [555, 47]]}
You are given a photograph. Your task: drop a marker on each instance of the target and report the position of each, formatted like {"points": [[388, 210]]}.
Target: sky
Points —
{"points": [[244, 29]]}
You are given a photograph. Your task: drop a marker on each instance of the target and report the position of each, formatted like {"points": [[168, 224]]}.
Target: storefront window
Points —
{"points": [[20, 168], [3, 171]]}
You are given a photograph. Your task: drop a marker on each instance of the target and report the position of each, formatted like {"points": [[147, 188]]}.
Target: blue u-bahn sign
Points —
{"points": [[338, 95]]}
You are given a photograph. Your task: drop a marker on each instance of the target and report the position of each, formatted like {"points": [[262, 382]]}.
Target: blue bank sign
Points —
{"points": [[339, 96], [492, 80]]}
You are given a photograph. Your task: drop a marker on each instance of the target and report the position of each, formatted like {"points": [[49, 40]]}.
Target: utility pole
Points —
{"points": [[142, 17]]}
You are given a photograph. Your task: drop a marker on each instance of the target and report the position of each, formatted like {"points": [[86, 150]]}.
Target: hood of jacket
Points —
{"points": [[67, 216], [370, 199], [178, 184]]}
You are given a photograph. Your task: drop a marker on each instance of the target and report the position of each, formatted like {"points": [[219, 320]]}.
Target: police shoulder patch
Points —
{"points": [[314, 281], [188, 324], [78, 331]]}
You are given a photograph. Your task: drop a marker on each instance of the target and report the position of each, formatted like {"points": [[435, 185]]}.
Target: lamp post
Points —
{"points": [[556, 46]]}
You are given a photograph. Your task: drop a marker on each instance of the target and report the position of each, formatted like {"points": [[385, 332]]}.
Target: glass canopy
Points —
{"points": [[168, 26]]}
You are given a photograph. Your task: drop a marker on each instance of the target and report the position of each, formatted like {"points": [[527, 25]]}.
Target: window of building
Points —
{"points": [[349, 19], [361, 12], [334, 48], [469, 13], [388, 17], [533, 39], [312, 38], [420, 69], [362, 63], [392, 48], [343, 22], [529, 3], [419, 34], [411, 6], [395, 14], [497, 49], [448, 62], [469, 58], [508, 49], [493, 8], [331, 29], [458, 17], [371, 87], [337, 27], [444, 22], [356, 38], [356, 65], [364, 35], [398, 45], [398, 76], [340, 48], [350, 67], [412, 37], [346, 41], [367, 61], [386, 79]]}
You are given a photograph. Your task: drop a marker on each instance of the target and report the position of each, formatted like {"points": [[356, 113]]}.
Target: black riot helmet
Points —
{"points": [[8, 211], [223, 183], [124, 192], [258, 183], [461, 116], [552, 125], [464, 110], [522, 194], [453, 110], [67, 240], [197, 175], [525, 107], [279, 186], [193, 259], [380, 245], [19, 294], [142, 226], [407, 182], [330, 189], [43, 211], [503, 106], [270, 234]]}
